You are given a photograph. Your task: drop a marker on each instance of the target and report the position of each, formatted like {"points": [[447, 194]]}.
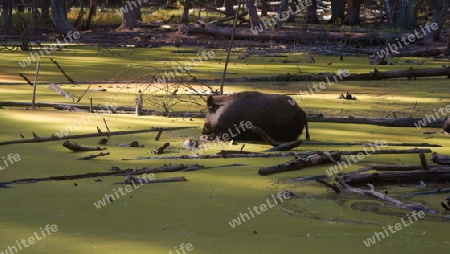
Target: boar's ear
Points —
{"points": [[210, 102]]}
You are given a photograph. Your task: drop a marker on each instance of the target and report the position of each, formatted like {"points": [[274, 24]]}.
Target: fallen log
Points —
{"points": [[437, 175], [388, 122], [330, 78], [385, 198], [93, 156], [431, 192], [300, 163], [113, 133], [329, 185], [170, 168], [369, 144], [80, 148], [303, 35], [282, 154], [308, 178], [440, 159], [163, 180]]}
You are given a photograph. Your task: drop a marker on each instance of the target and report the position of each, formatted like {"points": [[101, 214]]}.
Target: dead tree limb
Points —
{"points": [[300, 163], [431, 192], [329, 185], [170, 168], [60, 91], [440, 159], [93, 156], [80, 148], [160, 131], [161, 149], [282, 154], [378, 195], [116, 133], [441, 174], [163, 180], [264, 136]]}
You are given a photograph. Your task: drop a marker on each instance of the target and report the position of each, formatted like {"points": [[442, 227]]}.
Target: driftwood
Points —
{"points": [[170, 168], [93, 156], [114, 133], [80, 148], [441, 174], [385, 198], [440, 159], [161, 149], [300, 163], [59, 90]]}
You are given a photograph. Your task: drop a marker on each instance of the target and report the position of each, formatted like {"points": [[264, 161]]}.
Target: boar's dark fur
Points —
{"points": [[278, 115]]}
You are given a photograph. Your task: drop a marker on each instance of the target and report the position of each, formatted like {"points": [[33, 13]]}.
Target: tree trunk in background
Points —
{"points": [[293, 6], [229, 8], [311, 13], [253, 14], [185, 15], [389, 10], [92, 12], [440, 15], [337, 11], [264, 8], [353, 12], [62, 25], [7, 14], [128, 20], [45, 14], [281, 8], [406, 16]]}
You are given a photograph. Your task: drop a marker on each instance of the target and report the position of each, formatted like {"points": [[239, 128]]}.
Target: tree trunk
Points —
{"points": [[7, 6], [440, 15], [311, 13], [337, 11], [185, 16], [281, 8], [253, 14], [293, 6], [406, 15], [92, 12], [264, 8], [389, 10], [229, 11], [353, 12], [45, 14], [62, 25], [128, 20]]}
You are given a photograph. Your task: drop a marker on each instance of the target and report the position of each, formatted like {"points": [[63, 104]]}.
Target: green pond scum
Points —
{"points": [[193, 216]]}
